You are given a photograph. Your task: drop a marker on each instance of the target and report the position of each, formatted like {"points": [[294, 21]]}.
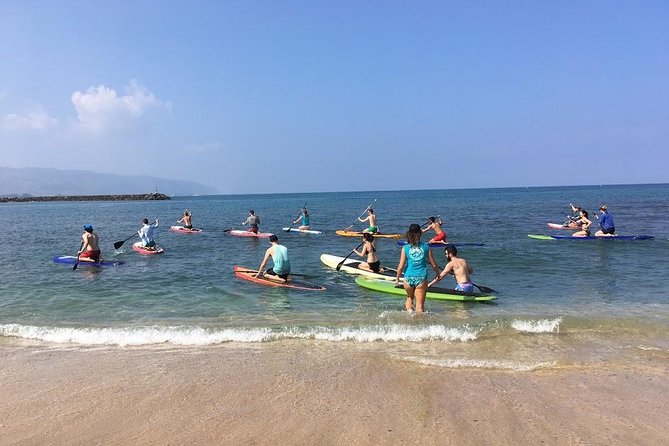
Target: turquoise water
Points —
{"points": [[569, 299]]}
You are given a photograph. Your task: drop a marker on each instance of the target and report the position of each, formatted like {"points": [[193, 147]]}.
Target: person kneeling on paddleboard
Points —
{"points": [[435, 223], [459, 268], [281, 265], [303, 220], [187, 220], [90, 250], [146, 234], [253, 221], [373, 263], [371, 219], [605, 223]]}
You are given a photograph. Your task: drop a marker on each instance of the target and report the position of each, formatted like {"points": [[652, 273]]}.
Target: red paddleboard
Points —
{"points": [[238, 233], [249, 274], [146, 251]]}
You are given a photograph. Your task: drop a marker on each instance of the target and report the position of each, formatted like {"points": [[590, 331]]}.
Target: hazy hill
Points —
{"points": [[39, 181]]}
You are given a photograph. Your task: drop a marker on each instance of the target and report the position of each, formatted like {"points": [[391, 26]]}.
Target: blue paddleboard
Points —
{"points": [[71, 260]]}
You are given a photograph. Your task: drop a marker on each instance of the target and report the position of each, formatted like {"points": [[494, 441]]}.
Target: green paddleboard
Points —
{"points": [[540, 237], [434, 292]]}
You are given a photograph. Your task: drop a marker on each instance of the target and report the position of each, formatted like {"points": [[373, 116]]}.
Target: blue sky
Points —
{"points": [[290, 96]]}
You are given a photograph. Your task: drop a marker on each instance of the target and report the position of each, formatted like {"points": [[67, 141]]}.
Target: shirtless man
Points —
{"points": [[371, 219], [435, 224], [459, 268], [187, 220], [90, 250]]}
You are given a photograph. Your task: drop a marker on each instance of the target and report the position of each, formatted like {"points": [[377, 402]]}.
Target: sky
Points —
{"points": [[308, 96]]}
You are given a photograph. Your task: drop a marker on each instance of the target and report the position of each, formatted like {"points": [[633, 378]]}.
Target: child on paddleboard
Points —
{"points": [[371, 219]]}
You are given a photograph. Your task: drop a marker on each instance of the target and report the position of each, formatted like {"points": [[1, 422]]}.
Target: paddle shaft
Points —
{"points": [[363, 213], [349, 255], [254, 271], [76, 264]]}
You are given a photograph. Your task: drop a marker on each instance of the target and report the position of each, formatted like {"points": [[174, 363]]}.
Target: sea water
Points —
{"points": [[559, 302]]}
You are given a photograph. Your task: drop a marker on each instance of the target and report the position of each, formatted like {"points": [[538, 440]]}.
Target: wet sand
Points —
{"points": [[286, 394]]}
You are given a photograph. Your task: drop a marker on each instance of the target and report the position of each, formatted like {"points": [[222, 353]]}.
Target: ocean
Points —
{"points": [[559, 302]]}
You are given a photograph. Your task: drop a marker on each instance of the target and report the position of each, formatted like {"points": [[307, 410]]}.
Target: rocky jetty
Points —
{"points": [[125, 197]]}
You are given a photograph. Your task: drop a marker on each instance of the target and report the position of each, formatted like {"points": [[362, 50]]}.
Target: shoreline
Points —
{"points": [[324, 394], [111, 197]]}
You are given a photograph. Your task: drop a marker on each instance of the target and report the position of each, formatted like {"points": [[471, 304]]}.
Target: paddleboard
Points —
{"points": [[137, 246], [352, 266], [359, 234], [239, 233], [443, 245], [305, 231], [249, 274], [434, 292], [71, 260], [185, 230], [592, 237], [571, 227]]}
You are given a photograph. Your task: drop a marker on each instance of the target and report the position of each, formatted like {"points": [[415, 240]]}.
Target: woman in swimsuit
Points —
{"points": [[435, 224], [585, 223], [414, 257], [373, 263]]}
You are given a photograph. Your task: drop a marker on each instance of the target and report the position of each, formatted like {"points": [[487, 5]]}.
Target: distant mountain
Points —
{"points": [[38, 181]]}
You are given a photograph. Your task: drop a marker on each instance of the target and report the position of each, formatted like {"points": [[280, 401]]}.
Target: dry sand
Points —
{"points": [[295, 394]]}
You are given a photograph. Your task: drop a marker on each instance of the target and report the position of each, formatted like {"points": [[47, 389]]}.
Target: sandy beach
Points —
{"points": [[288, 394]]}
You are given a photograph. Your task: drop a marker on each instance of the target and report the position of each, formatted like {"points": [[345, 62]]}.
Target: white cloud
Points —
{"points": [[100, 107], [36, 120]]}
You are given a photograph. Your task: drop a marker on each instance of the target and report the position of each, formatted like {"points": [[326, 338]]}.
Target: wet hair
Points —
{"points": [[367, 236], [413, 234], [370, 210], [145, 221], [251, 211], [431, 219], [273, 238], [304, 211], [451, 249], [585, 213]]}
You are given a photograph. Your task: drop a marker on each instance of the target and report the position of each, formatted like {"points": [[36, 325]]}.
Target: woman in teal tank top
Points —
{"points": [[413, 262]]}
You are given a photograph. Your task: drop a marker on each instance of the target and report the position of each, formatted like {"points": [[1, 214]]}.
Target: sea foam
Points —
{"points": [[495, 364], [185, 335], [540, 326]]}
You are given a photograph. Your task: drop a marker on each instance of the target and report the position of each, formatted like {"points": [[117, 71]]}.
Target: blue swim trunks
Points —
{"points": [[467, 287]]}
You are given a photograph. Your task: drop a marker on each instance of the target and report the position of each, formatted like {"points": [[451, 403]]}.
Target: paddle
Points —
{"points": [[293, 224], [484, 289], [254, 271], [76, 264], [339, 265], [118, 244], [228, 230], [363, 213]]}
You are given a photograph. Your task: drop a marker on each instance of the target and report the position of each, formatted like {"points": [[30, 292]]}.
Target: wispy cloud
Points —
{"points": [[100, 107], [38, 120]]}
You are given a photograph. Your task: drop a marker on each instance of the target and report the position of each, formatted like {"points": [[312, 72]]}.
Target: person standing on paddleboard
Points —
{"points": [[187, 220], [371, 219], [90, 247], [373, 263], [303, 219], [146, 234], [280, 269], [607, 228], [459, 268], [435, 224], [252, 221], [413, 263]]}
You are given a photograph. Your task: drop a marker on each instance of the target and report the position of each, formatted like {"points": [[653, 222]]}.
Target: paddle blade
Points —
{"points": [[485, 289], [227, 230], [339, 265], [76, 264], [117, 245]]}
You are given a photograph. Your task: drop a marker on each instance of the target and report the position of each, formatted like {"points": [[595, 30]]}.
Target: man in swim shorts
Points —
{"points": [[371, 218], [253, 221], [459, 268], [280, 269], [90, 250]]}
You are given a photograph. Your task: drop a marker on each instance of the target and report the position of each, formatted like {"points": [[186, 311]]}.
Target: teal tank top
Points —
{"points": [[416, 265], [280, 260]]}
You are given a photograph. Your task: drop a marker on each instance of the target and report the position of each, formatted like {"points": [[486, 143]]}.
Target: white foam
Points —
{"points": [[483, 364], [540, 326], [181, 335]]}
